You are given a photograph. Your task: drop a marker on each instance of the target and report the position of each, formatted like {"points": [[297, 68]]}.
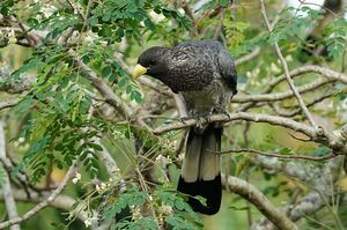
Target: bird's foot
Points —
{"points": [[202, 122], [184, 119], [226, 113]]}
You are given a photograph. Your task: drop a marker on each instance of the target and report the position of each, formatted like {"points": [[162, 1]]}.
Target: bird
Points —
{"points": [[204, 73]]}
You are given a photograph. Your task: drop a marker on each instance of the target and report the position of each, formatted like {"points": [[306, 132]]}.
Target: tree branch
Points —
{"points": [[43, 204], [106, 91], [294, 157], [63, 202], [325, 71], [255, 52], [257, 198], [286, 69], [280, 96], [8, 195], [8, 104], [273, 120]]}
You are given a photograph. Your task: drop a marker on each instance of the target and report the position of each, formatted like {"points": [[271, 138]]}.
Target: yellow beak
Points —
{"points": [[138, 71]]}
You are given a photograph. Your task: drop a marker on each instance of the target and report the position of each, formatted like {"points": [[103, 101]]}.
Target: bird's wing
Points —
{"points": [[227, 69], [190, 66]]}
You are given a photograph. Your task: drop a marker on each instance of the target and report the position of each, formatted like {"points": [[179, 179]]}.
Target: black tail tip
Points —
{"points": [[211, 190]]}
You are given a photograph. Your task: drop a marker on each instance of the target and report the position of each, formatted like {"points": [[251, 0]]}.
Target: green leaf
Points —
{"points": [[321, 151], [24, 105], [224, 3], [136, 96], [30, 64]]}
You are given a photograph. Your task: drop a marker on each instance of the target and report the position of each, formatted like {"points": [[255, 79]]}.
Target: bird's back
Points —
{"points": [[195, 69]]}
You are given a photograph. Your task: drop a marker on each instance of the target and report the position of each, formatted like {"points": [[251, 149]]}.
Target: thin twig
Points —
{"points": [[8, 104], [297, 157], [286, 69], [247, 57], [280, 96]]}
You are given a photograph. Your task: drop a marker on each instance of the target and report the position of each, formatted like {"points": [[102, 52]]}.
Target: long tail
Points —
{"points": [[201, 170]]}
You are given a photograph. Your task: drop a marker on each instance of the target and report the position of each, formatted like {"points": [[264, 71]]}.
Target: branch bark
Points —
{"points": [[105, 90], [63, 202], [257, 198], [8, 195]]}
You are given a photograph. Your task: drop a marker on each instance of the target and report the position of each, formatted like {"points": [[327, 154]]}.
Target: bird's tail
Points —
{"points": [[201, 170]]}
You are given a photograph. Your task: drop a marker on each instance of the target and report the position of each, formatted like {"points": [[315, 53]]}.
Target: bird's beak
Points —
{"points": [[138, 71]]}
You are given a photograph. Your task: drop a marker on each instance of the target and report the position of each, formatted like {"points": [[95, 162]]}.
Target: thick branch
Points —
{"points": [[335, 140], [273, 120], [8, 104], [257, 198], [8, 195]]}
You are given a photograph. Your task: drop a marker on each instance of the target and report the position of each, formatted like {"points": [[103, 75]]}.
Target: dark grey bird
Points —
{"points": [[204, 73]]}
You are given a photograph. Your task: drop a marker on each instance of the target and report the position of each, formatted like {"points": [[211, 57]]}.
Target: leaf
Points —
{"points": [[136, 96], [5, 7], [30, 64], [24, 105], [285, 151], [321, 151], [224, 3]]}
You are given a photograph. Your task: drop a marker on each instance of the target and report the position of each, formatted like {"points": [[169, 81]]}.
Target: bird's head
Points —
{"points": [[151, 62]]}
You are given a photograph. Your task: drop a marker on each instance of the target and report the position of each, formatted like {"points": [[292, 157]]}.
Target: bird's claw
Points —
{"points": [[202, 122], [184, 119], [226, 113]]}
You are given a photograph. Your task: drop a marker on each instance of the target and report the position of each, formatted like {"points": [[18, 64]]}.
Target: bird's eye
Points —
{"points": [[152, 62]]}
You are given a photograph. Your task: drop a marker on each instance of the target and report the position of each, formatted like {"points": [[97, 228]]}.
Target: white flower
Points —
{"points": [[21, 140], [88, 222], [12, 37], [103, 186], [137, 213], [76, 178], [92, 219], [181, 157], [115, 169], [98, 188], [159, 157], [166, 209]]}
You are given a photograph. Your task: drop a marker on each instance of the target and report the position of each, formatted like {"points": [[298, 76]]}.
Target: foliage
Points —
{"points": [[64, 117]]}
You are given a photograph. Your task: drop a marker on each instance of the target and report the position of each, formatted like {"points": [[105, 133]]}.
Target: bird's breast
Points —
{"points": [[214, 97]]}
